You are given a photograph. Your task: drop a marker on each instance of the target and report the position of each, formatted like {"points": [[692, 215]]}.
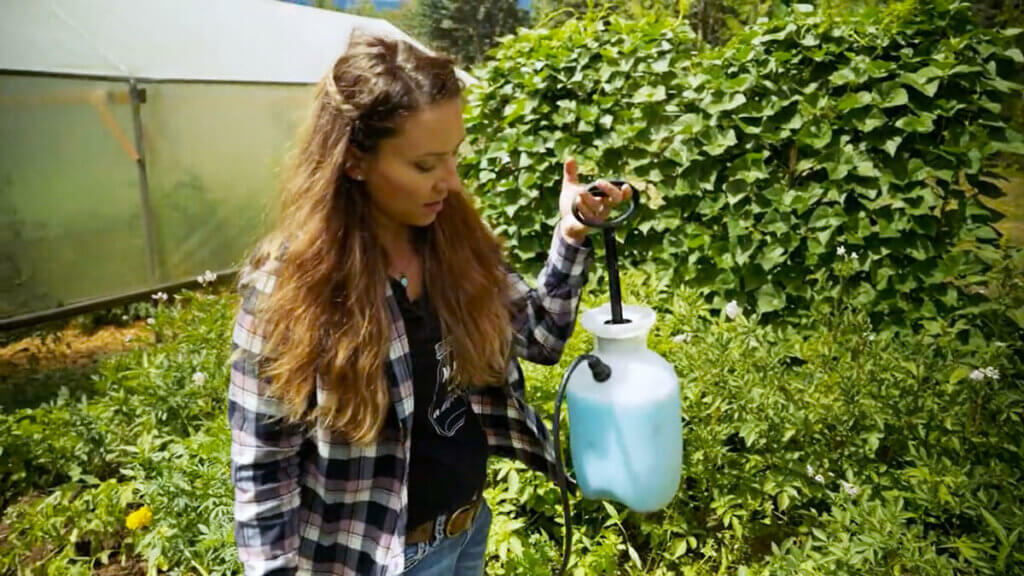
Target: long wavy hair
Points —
{"points": [[327, 313]]}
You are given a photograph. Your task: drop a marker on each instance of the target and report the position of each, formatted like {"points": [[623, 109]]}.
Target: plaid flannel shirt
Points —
{"points": [[307, 502]]}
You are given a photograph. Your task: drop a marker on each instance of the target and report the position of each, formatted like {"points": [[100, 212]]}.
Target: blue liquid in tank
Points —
{"points": [[631, 453]]}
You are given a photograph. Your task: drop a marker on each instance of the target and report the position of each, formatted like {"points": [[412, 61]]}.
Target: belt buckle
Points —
{"points": [[450, 526]]}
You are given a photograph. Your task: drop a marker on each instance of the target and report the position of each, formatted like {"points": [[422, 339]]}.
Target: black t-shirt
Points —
{"points": [[448, 464]]}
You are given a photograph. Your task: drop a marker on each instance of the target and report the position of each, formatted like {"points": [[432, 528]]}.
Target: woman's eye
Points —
{"points": [[424, 167]]}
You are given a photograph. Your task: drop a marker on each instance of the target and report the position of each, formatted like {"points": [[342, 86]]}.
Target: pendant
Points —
{"points": [[404, 281]]}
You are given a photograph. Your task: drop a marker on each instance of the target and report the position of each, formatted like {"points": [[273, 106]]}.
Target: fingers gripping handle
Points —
{"points": [[593, 190], [611, 257]]}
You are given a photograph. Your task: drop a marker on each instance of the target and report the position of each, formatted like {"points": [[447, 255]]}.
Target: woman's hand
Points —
{"points": [[590, 207]]}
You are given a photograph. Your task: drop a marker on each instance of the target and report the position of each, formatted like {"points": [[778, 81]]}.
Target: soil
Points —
{"points": [[72, 347]]}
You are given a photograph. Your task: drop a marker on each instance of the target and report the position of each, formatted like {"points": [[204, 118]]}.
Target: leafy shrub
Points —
{"points": [[153, 426], [763, 161], [919, 461], [840, 449]]}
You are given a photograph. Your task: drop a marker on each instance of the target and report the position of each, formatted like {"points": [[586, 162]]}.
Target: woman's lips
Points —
{"points": [[435, 206]]}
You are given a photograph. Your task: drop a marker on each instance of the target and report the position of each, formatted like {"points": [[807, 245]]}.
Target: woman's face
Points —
{"points": [[411, 173]]}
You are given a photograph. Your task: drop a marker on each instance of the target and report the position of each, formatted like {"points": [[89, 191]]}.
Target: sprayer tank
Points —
{"points": [[626, 432]]}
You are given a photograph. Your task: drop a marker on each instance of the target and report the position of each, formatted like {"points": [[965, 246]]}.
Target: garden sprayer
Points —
{"points": [[626, 432]]}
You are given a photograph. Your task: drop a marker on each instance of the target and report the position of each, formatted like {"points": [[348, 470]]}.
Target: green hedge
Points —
{"points": [[764, 161]]}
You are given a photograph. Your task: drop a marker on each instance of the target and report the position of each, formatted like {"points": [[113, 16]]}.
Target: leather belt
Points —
{"points": [[457, 522]]}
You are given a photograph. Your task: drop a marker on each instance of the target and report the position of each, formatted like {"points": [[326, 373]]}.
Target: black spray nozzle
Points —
{"points": [[599, 369], [611, 257]]}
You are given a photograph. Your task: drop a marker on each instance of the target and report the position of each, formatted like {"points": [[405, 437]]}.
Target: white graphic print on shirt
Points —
{"points": [[447, 411]]}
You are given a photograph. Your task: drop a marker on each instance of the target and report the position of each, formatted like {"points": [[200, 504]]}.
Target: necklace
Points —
{"points": [[403, 278]]}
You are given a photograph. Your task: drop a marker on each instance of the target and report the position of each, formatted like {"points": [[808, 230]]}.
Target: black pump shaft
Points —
{"points": [[612, 260], [610, 252]]}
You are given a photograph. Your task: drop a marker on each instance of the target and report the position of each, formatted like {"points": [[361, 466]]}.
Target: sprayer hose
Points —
{"points": [[601, 373]]}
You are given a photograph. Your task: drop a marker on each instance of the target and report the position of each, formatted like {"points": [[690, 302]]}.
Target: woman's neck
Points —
{"points": [[396, 238]]}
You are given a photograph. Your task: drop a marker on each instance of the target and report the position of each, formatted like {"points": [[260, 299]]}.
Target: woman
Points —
{"points": [[382, 280]]}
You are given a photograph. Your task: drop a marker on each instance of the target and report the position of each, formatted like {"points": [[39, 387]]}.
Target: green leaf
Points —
{"points": [[634, 556], [783, 499], [921, 124], [924, 80], [721, 103], [721, 141], [610, 510], [772, 256], [874, 119], [892, 143], [816, 133], [890, 94], [770, 298], [847, 76], [826, 216], [853, 100], [650, 94], [1015, 55]]}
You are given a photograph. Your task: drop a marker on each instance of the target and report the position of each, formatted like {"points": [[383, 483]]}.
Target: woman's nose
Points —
{"points": [[451, 180]]}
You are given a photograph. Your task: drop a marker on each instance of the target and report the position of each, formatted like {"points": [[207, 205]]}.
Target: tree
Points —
{"points": [[401, 17], [554, 12], [466, 29]]}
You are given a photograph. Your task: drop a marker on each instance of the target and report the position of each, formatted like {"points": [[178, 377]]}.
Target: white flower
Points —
{"points": [[853, 255], [980, 374], [732, 310], [151, 321], [849, 488], [810, 471], [206, 278], [819, 479], [199, 378], [160, 296], [684, 337], [841, 250]]}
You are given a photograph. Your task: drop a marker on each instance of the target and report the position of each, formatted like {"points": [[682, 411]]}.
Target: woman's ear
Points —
{"points": [[354, 165]]}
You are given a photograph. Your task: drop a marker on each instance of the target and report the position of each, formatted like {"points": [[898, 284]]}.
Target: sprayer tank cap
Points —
{"points": [[641, 319]]}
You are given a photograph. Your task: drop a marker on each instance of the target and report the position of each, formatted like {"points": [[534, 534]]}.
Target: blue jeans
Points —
{"points": [[462, 555]]}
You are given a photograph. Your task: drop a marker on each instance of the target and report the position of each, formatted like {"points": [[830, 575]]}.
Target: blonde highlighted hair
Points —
{"points": [[327, 312]]}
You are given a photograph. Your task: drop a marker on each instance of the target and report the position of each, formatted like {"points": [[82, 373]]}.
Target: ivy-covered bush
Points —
{"points": [[799, 144]]}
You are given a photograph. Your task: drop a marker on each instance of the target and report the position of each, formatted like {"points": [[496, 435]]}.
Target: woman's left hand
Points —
{"points": [[590, 207]]}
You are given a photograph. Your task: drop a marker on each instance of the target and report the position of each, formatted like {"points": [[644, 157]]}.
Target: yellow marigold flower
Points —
{"points": [[139, 519]]}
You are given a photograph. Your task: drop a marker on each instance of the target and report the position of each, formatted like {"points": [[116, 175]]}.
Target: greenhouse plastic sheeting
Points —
{"points": [[226, 84], [213, 152], [219, 40], [70, 201]]}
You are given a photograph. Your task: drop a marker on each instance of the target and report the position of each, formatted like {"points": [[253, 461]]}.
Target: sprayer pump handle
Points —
{"points": [[595, 191]]}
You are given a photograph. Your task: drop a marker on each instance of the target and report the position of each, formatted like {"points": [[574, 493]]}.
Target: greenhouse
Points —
{"points": [[141, 139]]}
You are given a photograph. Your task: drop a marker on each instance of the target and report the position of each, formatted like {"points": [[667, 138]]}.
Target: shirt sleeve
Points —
{"points": [[264, 451], [543, 318]]}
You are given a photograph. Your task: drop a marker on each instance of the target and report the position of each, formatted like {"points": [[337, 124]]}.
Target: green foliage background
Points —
{"points": [[762, 161], [920, 463]]}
